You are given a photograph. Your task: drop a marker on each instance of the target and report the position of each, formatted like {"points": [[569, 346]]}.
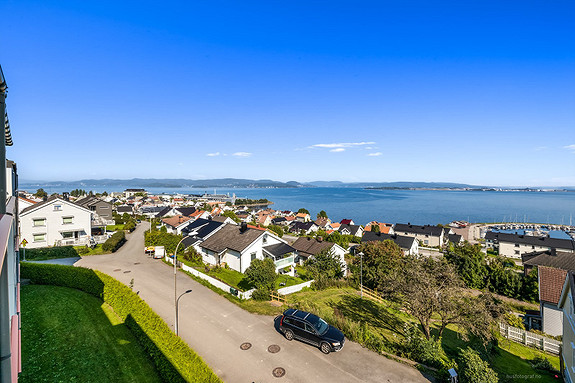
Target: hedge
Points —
{"points": [[43, 253], [115, 241], [174, 359]]}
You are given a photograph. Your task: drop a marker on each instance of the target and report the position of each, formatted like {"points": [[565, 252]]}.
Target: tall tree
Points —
{"points": [[41, 193], [469, 262], [304, 211], [324, 267], [378, 261], [322, 214], [262, 274]]}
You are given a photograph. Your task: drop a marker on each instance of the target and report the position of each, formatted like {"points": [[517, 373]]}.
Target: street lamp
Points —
{"points": [[177, 301], [175, 274], [361, 273]]}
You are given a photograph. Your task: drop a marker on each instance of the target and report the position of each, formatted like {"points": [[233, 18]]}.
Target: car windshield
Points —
{"points": [[320, 325]]}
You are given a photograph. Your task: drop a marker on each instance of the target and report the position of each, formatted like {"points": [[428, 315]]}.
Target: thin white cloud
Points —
{"points": [[337, 150], [213, 154], [570, 147], [377, 154], [242, 154], [341, 145]]}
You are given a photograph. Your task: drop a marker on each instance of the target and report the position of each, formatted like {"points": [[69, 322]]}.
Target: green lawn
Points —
{"points": [[115, 227], [97, 250], [71, 336]]}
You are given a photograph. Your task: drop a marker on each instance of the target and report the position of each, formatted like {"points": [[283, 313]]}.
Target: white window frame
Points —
{"points": [[34, 220], [71, 218], [39, 240], [57, 207]]}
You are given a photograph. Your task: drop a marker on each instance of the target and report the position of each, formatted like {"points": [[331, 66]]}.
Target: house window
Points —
{"points": [[67, 220], [516, 252], [426, 242], [68, 234], [39, 237], [516, 245], [253, 255], [57, 207], [265, 239], [103, 207], [40, 222]]}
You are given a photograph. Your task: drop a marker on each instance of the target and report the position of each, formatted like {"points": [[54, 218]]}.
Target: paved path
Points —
{"points": [[60, 261], [215, 328]]}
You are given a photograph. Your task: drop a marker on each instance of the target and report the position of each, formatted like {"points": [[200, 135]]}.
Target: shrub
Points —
{"points": [[426, 351], [473, 369], [82, 250], [114, 242], [174, 359], [513, 320], [261, 295], [261, 274], [542, 363], [43, 253]]}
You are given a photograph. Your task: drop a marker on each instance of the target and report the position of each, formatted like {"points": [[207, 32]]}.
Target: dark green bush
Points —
{"points": [[426, 351], [81, 250], [115, 241], [44, 253], [473, 369], [542, 363], [261, 295], [174, 359]]}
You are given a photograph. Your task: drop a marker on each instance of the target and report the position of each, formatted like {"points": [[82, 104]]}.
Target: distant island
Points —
{"points": [[232, 183]]}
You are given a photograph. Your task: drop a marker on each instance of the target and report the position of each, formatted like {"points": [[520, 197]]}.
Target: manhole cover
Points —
{"points": [[136, 263], [127, 271], [274, 348], [245, 346], [278, 372], [117, 269]]}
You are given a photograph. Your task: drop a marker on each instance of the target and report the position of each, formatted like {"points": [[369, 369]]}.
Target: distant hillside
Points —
{"points": [[393, 185]]}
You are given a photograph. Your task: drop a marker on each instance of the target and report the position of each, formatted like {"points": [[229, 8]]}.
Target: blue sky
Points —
{"points": [[472, 92]]}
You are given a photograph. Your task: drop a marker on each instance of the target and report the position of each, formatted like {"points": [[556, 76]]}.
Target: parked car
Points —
{"points": [[307, 327]]}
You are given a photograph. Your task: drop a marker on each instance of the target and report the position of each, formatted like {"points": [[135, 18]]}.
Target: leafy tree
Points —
{"points": [[379, 259], [530, 286], [324, 267], [304, 211], [473, 369], [160, 238], [41, 193], [207, 207], [375, 228], [504, 280], [321, 214], [262, 274], [232, 215], [277, 229], [469, 261]]}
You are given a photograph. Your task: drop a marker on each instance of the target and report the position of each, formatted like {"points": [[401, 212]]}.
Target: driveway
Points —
{"points": [[215, 328]]}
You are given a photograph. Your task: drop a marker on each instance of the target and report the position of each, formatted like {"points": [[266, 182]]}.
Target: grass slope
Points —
{"points": [[71, 336]]}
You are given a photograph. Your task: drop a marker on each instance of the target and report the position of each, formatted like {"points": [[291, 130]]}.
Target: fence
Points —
{"points": [[295, 288], [372, 294], [530, 339], [277, 297]]}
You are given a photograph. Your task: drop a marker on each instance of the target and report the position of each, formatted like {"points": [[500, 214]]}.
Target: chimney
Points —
{"points": [[553, 252], [66, 196], [243, 227], [45, 198]]}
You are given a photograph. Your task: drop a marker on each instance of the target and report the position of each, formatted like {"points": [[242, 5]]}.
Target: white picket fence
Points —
{"points": [[530, 339], [232, 290]]}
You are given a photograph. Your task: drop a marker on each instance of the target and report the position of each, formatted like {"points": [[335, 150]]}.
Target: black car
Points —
{"points": [[311, 329]]}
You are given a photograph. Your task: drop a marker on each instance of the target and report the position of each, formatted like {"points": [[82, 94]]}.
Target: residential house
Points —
{"points": [[125, 209], [224, 219], [552, 267], [346, 222], [427, 235], [200, 214], [302, 217], [334, 226], [186, 211], [167, 211], [355, 230], [102, 209], [322, 222], [237, 246], [55, 222], [515, 245], [23, 203], [303, 227], [132, 192], [567, 305], [309, 247], [151, 211], [263, 219], [456, 239], [386, 228], [175, 224], [409, 245], [281, 221], [198, 231]]}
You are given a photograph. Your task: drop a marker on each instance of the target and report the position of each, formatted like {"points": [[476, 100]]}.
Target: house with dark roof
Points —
{"points": [[409, 245], [309, 247], [567, 305], [346, 222], [355, 230], [125, 209], [515, 245], [185, 211], [166, 211], [427, 235], [281, 221], [303, 227], [238, 246], [100, 207], [455, 239], [197, 231]]}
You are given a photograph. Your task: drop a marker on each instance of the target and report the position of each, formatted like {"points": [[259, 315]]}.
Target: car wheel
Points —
{"points": [[325, 348], [289, 334]]}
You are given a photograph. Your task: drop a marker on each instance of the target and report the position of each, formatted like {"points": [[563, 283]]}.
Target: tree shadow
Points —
{"points": [[365, 310]]}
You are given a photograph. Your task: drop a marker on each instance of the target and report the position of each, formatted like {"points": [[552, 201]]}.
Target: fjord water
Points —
{"points": [[413, 206]]}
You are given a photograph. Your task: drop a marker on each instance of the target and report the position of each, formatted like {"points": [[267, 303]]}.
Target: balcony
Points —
{"points": [[285, 262]]}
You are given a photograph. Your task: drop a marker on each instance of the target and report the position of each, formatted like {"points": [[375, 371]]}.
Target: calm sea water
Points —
{"points": [[413, 206]]}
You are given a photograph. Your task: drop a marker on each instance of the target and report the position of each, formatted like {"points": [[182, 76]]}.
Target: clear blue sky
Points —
{"points": [[479, 92]]}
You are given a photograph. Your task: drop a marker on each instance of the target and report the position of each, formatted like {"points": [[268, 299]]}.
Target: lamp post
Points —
{"points": [[361, 273], [177, 301], [175, 291]]}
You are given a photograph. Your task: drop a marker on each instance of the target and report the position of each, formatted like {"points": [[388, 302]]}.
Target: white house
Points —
{"points": [[515, 245], [567, 305], [55, 222], [237, 246]]}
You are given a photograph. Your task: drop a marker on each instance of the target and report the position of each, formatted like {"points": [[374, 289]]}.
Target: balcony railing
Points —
{"points": [[284, 262], [82, 241]]}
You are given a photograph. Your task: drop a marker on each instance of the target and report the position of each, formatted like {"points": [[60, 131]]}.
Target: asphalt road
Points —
{"points": [[215, 328]]}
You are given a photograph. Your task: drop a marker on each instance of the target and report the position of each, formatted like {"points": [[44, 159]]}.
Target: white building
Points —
{"points": [[55, 222]]}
